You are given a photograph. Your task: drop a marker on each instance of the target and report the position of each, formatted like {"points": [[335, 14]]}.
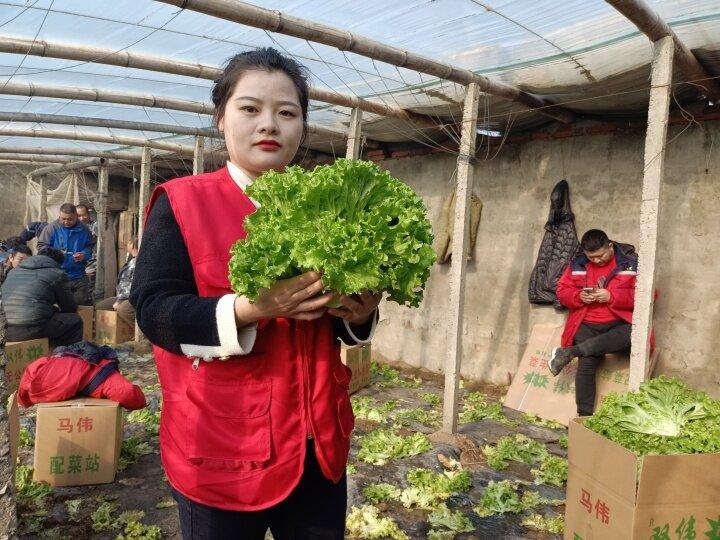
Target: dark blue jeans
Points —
{"points": [[315, 510]]}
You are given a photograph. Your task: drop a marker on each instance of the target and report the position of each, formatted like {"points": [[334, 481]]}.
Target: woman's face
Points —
{"points": [[263, 122]]}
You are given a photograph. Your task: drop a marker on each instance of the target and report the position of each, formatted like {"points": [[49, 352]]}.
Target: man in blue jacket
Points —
{"points": [[74, 239]]}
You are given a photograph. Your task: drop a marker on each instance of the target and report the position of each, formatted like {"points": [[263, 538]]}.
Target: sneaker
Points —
{"points": [[559, 358]]}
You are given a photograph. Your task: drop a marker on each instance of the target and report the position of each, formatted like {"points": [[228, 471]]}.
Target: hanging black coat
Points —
{"points": [[558, 247]]}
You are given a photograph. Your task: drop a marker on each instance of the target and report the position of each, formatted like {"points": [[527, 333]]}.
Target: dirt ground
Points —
{"points": [[141, 485]]}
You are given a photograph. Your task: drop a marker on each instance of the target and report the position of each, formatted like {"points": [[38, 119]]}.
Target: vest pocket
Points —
{"points": [[346, 418], [228, 424]]}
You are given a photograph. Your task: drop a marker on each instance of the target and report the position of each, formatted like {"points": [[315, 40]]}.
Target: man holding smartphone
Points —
{"points": [[598, 287]]}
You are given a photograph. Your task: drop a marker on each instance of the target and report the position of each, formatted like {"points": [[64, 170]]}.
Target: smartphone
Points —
{"points": [[589, 290]]}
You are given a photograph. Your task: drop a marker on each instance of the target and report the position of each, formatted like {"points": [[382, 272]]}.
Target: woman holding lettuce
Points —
{"points": [[256, 418]]}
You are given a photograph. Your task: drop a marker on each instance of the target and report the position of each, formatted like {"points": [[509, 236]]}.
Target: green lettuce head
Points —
{"points": [[351, 220]]}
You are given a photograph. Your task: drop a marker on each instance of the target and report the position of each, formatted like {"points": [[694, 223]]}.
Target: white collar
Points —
{"points": [[241, 178]]}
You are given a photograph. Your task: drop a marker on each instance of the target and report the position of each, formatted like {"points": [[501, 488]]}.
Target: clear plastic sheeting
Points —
{"points": [[582, 54]]}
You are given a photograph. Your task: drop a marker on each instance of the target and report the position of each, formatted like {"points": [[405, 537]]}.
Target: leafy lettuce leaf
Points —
{"points": [[352, 220]]}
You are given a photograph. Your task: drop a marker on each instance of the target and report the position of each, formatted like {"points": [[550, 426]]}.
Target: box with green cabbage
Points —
{"points": [[646, 465]]}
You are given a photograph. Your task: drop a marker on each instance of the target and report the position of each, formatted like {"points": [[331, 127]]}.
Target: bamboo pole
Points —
{"points": [[198, 157], [101, 211], [354, 142], [72, 166], [181, 149], [655, 137], [33, 158], [105, 96], [128, 59], [276, 21], [143, 197], [58, 153], [650, 24], [107, 123], [463, 192]]}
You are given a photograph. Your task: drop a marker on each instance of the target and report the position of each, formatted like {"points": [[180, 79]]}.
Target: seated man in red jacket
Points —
{"points": [[599, 289]]}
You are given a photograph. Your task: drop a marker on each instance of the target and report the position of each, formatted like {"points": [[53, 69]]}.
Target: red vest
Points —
{"points": [[233, 433]]}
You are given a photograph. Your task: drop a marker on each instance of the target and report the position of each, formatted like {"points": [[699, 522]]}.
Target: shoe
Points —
{"points": [[559, 358]]}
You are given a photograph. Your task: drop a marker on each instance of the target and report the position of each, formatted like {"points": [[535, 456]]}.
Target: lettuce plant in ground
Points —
{"points": [[537, 421], [367, 408], [364, 522], [380, 446], [447, 523], [428, 489], [381, 492], [553, 470], [663, 417], [519, 448], [355, 222], [476, 407], [503, 497], [555, 525]]}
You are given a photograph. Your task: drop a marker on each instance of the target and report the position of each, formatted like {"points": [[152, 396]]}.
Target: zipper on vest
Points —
{"points": [[196, 364], [306, 378]]}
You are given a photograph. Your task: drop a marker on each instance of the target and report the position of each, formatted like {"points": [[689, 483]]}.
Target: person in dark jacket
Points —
{"points": [[34, 228], [120, 302], [17, 255], [29, 295], [74, 239]]}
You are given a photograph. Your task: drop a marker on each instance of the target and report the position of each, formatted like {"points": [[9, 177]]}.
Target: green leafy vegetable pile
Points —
{"points": [[380, 446], [663, 417], [503, 497], [552, 469], [555, 525], [363, 228], [447, 523], [476, 407], [365, 522]]}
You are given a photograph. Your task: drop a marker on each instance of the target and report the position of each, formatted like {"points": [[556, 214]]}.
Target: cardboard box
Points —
{"points": [[77, 442], [19, 355], [87, 314], [358, 360], [535, 390], [614, 495], [111, 329]]}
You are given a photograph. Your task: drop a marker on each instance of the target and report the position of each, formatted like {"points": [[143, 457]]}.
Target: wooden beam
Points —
{"points": [[105, 96], [318, 131], [354, 142], [101, 211], [198, 157], [181, 149], [463, 193], [650, 24], [33, 158], [13, 45], [650, 208], [59, 154], [107, 123], [276, 21], [72, 166]]}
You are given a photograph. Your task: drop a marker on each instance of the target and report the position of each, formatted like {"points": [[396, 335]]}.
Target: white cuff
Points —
{"points": [[372, 330], [233, 340]]}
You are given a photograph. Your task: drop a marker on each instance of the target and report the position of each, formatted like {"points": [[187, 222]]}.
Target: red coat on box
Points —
{"points": [[59, 378], [234, 431], [620, 282]]}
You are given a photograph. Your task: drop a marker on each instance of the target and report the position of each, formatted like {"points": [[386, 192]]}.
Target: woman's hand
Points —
{"points": [[292, 298], [357, 308]]}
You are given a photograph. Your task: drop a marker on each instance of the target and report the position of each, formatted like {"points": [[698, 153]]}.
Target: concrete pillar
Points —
{"points": [[463, 192], [660, 89], [354, 142], [143, 196], [101, 210], [199, 156]]}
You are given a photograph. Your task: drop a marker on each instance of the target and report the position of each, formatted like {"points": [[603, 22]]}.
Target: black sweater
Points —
{"points": [[168, 309]]}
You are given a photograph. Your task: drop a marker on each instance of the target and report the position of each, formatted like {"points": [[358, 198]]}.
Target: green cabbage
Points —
{"points": [[663, 417], [355, 222]]}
